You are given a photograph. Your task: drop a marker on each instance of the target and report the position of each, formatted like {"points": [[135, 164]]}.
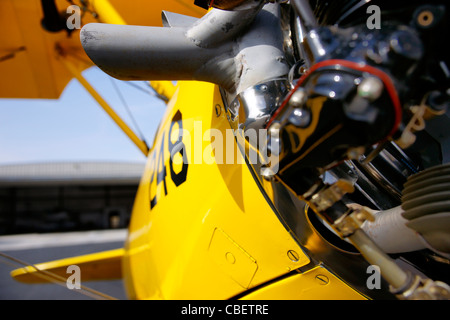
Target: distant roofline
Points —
{"points": [[70, 173]]}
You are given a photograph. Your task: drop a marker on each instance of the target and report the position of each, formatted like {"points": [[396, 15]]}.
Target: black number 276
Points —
{"points": [[159, 168]]}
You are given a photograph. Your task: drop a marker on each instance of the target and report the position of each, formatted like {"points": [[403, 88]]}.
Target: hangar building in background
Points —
{"points": [[46, 197]]}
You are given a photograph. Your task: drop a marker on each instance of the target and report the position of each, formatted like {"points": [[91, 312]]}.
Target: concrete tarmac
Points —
{"points": [[37, 248]]}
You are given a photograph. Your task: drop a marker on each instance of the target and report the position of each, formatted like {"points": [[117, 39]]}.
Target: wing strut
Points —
{"points": [[107, 14], [110, 111]]}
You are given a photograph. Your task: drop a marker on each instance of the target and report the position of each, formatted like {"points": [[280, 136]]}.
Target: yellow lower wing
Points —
{"points": [[105, 265]]}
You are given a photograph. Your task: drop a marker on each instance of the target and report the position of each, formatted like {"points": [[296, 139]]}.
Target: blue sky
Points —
{"points": [[75, 127]]}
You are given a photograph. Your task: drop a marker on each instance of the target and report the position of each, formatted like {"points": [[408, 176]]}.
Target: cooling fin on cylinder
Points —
{"points": [[426, 204]]}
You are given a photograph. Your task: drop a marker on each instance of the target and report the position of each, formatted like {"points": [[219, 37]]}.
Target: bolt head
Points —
{"points": [[293, 256], [300, 117], [274, 129], [267, 173], [298, 98], [322, 279], [370, 88]]}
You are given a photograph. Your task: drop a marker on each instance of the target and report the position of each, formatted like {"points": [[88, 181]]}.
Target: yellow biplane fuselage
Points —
{"points": [[205, 230]]}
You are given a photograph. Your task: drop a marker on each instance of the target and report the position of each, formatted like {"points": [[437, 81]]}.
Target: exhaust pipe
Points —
{"points": [[234, 49]]}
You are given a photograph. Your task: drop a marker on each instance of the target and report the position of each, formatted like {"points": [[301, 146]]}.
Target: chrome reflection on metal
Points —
{"points": [[300, 32], [379, 180], [300, 117], [253, 107], [390, 166]]}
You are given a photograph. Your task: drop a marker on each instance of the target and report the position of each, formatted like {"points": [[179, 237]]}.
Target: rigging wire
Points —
{"points": [[127, 108], [152, 92], [12, 54], [84, 4], [56, 279]]}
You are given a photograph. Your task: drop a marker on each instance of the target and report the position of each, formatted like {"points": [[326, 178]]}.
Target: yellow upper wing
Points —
{"points": [[29, 66]]}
